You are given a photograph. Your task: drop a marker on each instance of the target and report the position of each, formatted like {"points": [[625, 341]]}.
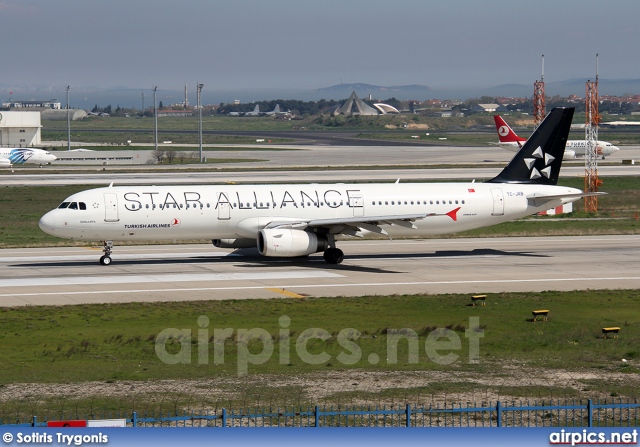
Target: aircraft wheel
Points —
{"points": [[105, 260], [333, 256]]}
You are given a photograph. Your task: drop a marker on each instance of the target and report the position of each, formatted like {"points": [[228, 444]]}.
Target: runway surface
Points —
{"points": [[58, 276], [318, 164]]}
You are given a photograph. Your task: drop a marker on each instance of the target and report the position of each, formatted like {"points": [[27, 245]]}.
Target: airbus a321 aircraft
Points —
{"points": [[20, 155], [298, 220], [509, 140]]}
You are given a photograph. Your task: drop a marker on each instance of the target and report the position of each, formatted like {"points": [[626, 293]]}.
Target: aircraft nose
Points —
{"points": [[48, 223]]}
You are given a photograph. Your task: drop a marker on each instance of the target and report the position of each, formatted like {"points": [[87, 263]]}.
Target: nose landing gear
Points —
{"points": [[106, 258]]}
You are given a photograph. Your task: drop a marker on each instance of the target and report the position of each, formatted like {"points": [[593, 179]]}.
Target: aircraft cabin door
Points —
{"points": [[357, 203], [498, 202], [224, 211], [111, 207]]}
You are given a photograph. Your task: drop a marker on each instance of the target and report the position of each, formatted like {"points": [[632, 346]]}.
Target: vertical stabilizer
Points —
{"points": [[505, 132], [540, 159]]}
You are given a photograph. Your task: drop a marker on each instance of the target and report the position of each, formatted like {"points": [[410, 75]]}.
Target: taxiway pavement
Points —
{"points": [[59, 276]]}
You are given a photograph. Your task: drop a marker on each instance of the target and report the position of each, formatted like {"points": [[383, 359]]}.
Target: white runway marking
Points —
{"points": [[120, 257], [300, 286], [164, 278]]}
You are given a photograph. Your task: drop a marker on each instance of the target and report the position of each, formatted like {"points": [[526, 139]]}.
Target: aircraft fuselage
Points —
{"points": [[134, 213]]}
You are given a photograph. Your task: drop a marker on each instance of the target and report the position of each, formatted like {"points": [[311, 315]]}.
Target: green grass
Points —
{"points": [[115, 344], [477, 129], [107, 342]]}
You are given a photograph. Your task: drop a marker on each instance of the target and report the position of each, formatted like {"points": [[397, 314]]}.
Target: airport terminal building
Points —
{"points": [[20, 129]]}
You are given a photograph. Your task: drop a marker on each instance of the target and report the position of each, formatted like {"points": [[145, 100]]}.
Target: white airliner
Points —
{"points": [[20, 155], [509, 140], [298, 220]]}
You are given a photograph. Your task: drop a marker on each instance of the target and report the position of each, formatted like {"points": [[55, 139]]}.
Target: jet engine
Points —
{"points": [[287, 242], [569, 154], [234, 243], [5, 163]]}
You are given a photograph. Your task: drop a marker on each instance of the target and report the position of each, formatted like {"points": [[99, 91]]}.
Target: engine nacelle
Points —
{"points": [[234, 243], [287, 242], [569, 154], [5, 163]]}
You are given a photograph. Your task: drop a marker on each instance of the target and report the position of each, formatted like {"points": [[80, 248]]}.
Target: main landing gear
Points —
{"points": [[333, 255], [106, 258]]}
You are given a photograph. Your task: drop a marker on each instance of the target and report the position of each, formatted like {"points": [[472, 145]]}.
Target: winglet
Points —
{"points": [[453, 214]]}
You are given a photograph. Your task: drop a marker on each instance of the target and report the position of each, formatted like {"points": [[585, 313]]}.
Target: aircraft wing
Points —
{"points": [[539, 200], [351, 225]]}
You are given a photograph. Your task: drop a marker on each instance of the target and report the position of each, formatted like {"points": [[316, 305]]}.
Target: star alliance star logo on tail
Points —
{"points": [[530, 162]]}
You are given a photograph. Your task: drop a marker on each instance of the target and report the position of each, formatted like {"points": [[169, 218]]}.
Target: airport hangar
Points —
{"points": [[20, 129]]}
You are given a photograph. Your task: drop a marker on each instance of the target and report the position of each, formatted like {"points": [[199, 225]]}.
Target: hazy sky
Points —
{"points": [[305, 44]]}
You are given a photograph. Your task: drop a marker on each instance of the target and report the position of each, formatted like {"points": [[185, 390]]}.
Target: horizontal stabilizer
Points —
{"points": [[536, 200]]}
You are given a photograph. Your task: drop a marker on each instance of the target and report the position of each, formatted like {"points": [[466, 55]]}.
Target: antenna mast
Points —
{"points": [[591, 180], [538, 100]]}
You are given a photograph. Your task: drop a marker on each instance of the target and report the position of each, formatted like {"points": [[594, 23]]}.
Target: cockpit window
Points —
{"points": [[63, 205], [82, 205], [73, 206]]}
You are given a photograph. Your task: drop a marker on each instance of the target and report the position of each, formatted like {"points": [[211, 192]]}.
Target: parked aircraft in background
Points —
{"points": [[277, 112], [575, 148], [254, 112], [17, 156], [301, 219]]}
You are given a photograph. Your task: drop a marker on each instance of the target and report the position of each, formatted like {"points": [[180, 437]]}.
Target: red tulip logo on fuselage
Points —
{"points": [[176, 222]]}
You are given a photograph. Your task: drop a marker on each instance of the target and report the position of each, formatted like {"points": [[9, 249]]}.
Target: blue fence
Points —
{"points": [[523, 414]]}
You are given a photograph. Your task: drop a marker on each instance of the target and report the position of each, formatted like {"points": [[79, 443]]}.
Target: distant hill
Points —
{"points": [[87, 97], [617, 87], [341, 91]]}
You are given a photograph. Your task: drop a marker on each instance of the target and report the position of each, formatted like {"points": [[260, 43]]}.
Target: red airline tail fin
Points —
{"points": [[506, 134]]}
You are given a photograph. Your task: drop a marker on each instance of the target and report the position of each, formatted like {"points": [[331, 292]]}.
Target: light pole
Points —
{"points": [[200, 118], [155, 118], [68, 121]]}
